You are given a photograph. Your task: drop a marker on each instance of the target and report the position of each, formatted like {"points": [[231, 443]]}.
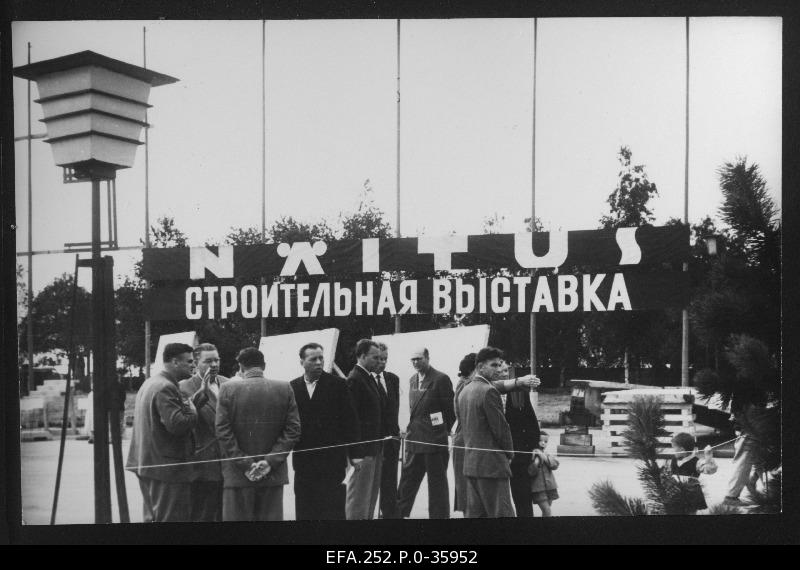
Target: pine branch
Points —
{"points": [[608, 502]]}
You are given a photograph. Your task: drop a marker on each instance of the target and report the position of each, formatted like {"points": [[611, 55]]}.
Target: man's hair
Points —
{"points": [[382, 346], [251, 358], [364, 345], [488, 353], [175, 349], [467, 365], [310, 345], [544, 433], [201, 348], [683, 440]]}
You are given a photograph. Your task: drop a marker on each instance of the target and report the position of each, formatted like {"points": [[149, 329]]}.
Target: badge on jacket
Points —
{"points": [[437, 419]]}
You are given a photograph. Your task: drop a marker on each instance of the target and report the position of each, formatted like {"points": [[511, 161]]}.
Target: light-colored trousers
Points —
{"points": [[363, 488], [747, 454]]}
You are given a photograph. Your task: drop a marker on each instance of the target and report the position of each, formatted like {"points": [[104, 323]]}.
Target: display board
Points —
{"points": [[189, 338], [446, 348], [281, 352]]}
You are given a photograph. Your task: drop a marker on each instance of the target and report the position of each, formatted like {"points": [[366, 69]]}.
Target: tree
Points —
{"points": [[623, 338], [366, 221], [53, 328], [739, 292], [628, 201]]}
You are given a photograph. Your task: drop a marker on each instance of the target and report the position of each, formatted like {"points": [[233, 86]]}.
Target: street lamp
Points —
{"points": [[94, 109]]}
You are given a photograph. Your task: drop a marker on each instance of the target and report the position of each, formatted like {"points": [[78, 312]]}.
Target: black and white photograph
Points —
{"points": [[398, 268]]}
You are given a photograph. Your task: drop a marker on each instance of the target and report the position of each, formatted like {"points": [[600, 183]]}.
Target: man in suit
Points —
{"points": [[203, 388], [162, 439], [370, 400], [257, 422], [485, 427], [391, 447], [327, 417], [432, 417]]}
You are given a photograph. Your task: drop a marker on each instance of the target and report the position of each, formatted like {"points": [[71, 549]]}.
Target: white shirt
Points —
{"points": [[310, 386], [214, 385]]}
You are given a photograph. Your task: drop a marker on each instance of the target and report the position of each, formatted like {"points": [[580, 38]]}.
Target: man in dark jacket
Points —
{"points": [[162, 439], [257, 422], [485, 428], [391, 447], [370, 400], [432, 417], [327, 418], [203, 388]]}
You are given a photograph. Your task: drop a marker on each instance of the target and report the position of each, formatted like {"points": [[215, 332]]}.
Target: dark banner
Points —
{"points": [[600, 249], [613, 291]]}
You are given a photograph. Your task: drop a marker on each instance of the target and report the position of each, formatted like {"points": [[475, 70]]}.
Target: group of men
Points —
{"points": [[209, 448]]}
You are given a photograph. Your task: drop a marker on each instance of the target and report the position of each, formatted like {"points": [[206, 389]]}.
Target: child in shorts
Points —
{"points": [[543, 482]]}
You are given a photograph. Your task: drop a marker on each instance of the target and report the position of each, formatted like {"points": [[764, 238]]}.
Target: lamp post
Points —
{"points": [[94, 110]]}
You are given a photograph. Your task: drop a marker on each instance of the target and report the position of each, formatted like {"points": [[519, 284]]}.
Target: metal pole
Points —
{"points": [[147, 330], [263, 147], [685, 312], [102, 487], [533, 190], [70, 372], [397, 320], [31, 386]]}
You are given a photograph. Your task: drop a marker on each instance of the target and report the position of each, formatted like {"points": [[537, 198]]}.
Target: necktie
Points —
{"points": [[381, 391]]}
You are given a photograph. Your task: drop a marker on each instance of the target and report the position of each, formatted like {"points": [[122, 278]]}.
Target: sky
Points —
{"points": [[466, 129]]}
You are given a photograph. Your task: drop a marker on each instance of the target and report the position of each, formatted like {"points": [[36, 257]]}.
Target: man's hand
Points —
{"points": [[707, 452], [258, 470], [529, 381], [356, 463]]}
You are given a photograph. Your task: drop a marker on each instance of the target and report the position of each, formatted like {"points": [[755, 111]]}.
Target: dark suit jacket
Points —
{"points": [[256, 416], [484, 427], [433, 396], [369, 411], [162, 431], [329, 418], [391, 423], [204, 432], [524, 429]]}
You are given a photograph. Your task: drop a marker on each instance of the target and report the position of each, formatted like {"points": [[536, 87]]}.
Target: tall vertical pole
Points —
{"points": [[263, 146], [397, 324], [533, 189], [685, 312], [102, 485], [31, 386], [147, 330]]}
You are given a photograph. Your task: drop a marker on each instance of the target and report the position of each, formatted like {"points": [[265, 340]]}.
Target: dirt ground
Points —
{"points": [[39, 460]]}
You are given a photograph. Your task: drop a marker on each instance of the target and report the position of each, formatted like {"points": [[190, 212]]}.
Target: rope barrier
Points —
{"points": [[390, 437]]}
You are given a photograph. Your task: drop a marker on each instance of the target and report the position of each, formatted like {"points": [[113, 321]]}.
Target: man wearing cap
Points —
{"points": [[432, 417]]}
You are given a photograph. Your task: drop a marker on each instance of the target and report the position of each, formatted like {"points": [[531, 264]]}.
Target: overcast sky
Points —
{"points": [[466, 107]]}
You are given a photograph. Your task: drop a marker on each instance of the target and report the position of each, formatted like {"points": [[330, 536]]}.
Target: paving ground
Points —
{"points": [[39, 460]]}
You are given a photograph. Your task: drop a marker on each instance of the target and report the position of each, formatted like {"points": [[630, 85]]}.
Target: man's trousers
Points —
{"points": [[206, 501], [252, 503], [488, 498], [435, 466], [363, 488], [388, 496], [165, 501], [318, 498]]}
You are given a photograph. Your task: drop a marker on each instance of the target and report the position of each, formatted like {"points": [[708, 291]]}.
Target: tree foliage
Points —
{"points": [[628, 202]]}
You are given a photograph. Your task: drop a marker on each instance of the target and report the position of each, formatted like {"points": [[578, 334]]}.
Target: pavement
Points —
{"points": [[39, 461]]}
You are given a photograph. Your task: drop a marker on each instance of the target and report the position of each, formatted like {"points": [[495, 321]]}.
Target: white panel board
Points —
{"points": [[446, 347], [281, 352], [189, 338]]}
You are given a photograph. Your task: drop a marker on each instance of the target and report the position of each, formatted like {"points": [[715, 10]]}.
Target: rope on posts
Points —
{"points": [[70, 371]]}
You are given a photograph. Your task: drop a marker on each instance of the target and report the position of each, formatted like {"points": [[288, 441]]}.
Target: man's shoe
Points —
{"points": [[733, 501]]}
